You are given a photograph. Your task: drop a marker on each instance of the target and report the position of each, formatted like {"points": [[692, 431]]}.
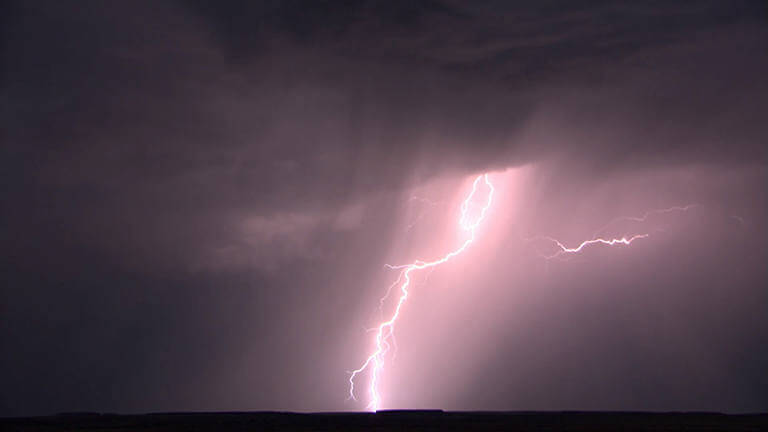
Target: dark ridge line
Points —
{"points": [[392, 412]]}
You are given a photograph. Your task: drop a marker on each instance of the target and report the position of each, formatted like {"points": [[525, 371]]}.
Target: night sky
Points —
{"points": [[199, 197]]}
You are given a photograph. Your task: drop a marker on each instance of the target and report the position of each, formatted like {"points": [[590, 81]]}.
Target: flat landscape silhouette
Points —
{"points": [[396, 420]]}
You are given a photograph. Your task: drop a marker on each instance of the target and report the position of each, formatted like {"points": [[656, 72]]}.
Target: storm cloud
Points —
{"points": [[198, 199]]}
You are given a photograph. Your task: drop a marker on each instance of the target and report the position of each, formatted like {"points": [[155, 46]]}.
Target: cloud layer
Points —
{"points": [[199, 197]]}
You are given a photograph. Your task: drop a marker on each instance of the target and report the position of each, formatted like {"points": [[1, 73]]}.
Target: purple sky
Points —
{"points": [[198, 200]]}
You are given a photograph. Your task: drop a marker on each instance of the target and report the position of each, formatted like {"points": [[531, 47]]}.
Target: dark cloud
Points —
{"points": [[185, 183]]}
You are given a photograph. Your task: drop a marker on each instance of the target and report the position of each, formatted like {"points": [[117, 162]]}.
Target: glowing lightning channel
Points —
{"points": [[625, 240], [385, 330], [610, 242]]}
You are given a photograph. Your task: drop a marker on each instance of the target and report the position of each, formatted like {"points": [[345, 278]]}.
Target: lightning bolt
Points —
{"points": [[385, 330], [385, 338], [624, 240], [562, 249]]}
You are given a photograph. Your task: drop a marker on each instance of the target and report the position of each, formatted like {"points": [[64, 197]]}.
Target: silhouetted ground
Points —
{"points": [[393, 421]]}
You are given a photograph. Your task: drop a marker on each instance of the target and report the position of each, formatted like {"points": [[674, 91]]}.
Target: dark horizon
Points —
{"points": [[199, 199], [473, 421]]}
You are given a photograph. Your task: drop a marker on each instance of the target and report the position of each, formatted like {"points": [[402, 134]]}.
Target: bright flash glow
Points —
{"points": [[385, 331]]}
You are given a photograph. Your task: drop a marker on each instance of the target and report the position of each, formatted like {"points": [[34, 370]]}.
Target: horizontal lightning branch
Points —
{"points": [[562, 249], [624, 240]]}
